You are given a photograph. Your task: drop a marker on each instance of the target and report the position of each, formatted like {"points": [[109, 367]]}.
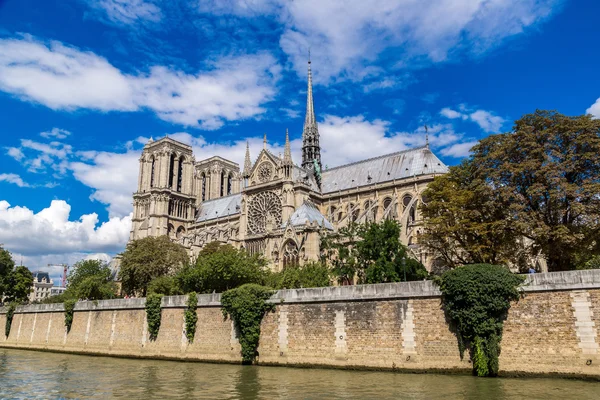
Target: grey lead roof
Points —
{"points": [[308, 213], [400, 165], [221, 207]]}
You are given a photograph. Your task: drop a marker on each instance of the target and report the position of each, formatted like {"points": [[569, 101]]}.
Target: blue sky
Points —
{"points": [[85, 83]]}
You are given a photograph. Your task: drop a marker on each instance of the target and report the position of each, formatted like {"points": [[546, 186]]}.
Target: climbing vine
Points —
{"points": [[191, 318], [153, 314], [10, 313], [476, 300], [69, 311], [247, 305]]}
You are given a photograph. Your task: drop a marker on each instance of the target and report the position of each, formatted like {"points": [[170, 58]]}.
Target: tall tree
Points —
{"points": [[6, 267], [148, 258], [547, 171], [90, 279], [20, 285]]}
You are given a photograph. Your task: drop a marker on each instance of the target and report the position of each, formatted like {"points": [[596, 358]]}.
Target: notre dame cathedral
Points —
{"points": [[273, 206]]}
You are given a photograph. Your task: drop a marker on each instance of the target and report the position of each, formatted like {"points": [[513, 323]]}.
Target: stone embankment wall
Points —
{"points": [[553, 329]]}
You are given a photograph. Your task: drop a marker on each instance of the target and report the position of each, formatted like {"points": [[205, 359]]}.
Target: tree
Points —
{"points": [[6, 267], [19, 285], [165, 285], [547, 173], [148, 258], [464, 220], [372, 253], [312, 274], [91, 280], [220, 268]]}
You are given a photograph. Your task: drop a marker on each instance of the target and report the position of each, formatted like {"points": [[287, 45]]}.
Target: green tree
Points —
{"points": [[547, 172], [149, 258], [19, 285], [372, 253], [220, 268], [90, 279], [465, 222], [312, 274], [165, 285], [6, 267]]}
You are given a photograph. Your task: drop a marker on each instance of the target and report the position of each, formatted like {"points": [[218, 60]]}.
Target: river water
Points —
{"points": [[30, 374]]}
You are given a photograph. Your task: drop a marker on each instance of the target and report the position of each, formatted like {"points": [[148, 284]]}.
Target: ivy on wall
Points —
{"points": [[476, 300], [153, 314], [10, 313], [247, 305], [191, 318], [69, 311]]}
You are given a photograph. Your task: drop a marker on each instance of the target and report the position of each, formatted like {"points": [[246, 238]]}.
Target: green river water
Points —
{"points": [[30, 374]]}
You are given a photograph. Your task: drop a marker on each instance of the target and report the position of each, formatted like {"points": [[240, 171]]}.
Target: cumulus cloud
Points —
{"points": [[66, 78], [13, 178], [127, 11], [594, 109], [458, 150], [486, 120], [55, 133], [349, 35], [38, 156], [50, 231]]}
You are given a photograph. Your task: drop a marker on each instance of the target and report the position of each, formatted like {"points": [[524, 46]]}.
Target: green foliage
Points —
{"points": [[90, 280], [20, 283], [165, 285], [247, 305], [219, 268], [476, 300], [371, 252], [69, 311], [153, 314], [592, 263], [191, 318], [312, 274], [10, 313], [6, 267], [147, 259]]}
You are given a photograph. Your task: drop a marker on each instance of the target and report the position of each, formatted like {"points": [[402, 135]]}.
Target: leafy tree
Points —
{"points": [[6, 267], [372, 253], [547, 172], [19, 285], [90, 279], [220, 268], [476, 300], [312, 274], [464, 220], [165, 285], [148, 258]]}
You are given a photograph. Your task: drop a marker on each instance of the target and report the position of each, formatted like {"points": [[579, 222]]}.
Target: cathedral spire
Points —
{"points": [[265, 142], [287, 152], [311, 151], [247, 162]]}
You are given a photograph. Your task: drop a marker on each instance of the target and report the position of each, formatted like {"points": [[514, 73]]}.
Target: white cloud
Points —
{"points": [[458, 150], [13, 178], [348, 35], [15, 153], [128, 11], [55, 133], [65, 78], [42, 155], [486, 120], [49, 262], [594, 109], [51, 232]]}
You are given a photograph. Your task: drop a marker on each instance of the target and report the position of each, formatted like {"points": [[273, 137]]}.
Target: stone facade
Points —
{"points": [[553, 329], [273, 206]]}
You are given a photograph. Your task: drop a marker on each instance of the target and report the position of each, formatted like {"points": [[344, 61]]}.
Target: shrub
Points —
{"points": [[476, 300], [10, 313], [191, 318], [69, 311], [153, 314], [247, 305]]}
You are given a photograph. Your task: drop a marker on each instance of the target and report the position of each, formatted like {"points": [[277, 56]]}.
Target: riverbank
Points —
{"points": [[551, 331]]}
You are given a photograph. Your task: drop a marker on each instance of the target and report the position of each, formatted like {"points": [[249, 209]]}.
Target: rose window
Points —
{"points": [[265, 171], [264, 210]]}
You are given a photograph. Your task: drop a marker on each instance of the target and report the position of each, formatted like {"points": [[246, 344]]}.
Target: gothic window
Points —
{"points": [[290, 254], [203, 179], [171, 172], [389, 208], [229, 184], [370, 211], [180, 174], [264, 210], [265, 172], [170, 230], [222, 183], [180, 232], [354, 212], [412, 213], [332, 214], [406, 200], [152, 174]]}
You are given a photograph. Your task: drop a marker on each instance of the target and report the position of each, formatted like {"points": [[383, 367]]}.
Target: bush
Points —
{"points": [[10, 313], [191, 318], [69, 311], [247, 306], [164, 285], [153, 314], [313, 274], [476, 300]]}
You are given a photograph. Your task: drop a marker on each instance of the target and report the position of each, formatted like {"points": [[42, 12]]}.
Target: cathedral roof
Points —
{"points": [[400, 165], [221, 207], [308, 213]]}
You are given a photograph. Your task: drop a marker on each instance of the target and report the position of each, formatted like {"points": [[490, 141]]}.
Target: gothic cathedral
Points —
{"points": [[275, 207]]}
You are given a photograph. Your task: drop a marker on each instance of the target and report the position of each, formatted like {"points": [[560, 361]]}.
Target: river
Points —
{"points": [[30, 374]]}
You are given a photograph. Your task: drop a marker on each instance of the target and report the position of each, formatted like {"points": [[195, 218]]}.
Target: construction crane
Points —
{"points": [[64, 276]]}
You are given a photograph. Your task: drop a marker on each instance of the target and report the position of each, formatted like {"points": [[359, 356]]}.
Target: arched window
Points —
{"points": [[180, 174], [331, 214], [370, 210], [355, 212], [203, 183], [290, 254], [406, 200], [180, 232], [171, 172], [222, 183], [152, 173], [412, 216], [229, 184]]}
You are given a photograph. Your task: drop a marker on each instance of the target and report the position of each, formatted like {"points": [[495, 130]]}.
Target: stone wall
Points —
{"points": [[553, 329]]}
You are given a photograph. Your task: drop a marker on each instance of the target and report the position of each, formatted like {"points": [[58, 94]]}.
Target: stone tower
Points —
{"points": [[164, 203], [311, 150]]}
